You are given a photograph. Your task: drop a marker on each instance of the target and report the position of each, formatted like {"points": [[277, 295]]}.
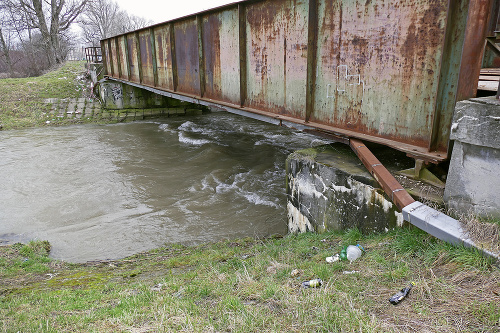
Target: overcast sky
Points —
{"points": [[164, 10]]}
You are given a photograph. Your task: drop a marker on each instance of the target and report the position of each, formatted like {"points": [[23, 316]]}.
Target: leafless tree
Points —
{"points": [[52, 18], [5, 48], [104, 18]]}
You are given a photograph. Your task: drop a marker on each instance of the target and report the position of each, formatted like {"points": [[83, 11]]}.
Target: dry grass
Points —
{"points": [[484, 233]]}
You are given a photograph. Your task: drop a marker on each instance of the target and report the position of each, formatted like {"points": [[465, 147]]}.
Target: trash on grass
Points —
{"points": [[312, 283], [333, 258], [400, 295], [351, 252]]}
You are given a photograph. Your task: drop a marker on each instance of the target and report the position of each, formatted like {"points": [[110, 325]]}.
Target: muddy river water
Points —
{"points": [[108, 191]]}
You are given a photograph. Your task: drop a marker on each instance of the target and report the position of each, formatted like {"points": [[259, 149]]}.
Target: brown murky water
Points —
{"points": [[108, 191]]}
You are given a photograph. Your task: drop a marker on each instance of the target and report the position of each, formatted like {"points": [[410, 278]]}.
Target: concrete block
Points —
{"points": [[473, 184], [477, 122], [328, 188]]}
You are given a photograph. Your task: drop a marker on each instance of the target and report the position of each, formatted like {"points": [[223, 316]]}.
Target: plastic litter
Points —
{"points": [[351, 252], [312, 283], [399, 296], [333, 258]]}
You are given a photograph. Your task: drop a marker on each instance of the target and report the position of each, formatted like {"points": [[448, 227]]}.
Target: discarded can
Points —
{"points": [[398, 297], [312, 283]]}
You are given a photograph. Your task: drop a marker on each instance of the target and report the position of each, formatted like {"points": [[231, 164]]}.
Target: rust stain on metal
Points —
{"points": [[132, 56], [477, 20], [186, 49], [164, 57], [212, 50], [146, 58]]}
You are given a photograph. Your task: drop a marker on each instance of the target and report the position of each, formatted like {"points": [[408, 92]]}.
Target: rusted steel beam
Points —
{"points": [[127, 58], [175, 77], [118, 58], [153, 54], [242, 52], [111, 58], [389, 184], [312, 39], [104, 58], [450, 69], [201, 58], [473, 49], [138, 55]]}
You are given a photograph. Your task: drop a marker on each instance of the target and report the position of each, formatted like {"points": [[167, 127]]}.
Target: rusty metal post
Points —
{"points": [[389, 184], [153, 54], [475, 40], [175, 78], [201, 57], [127, 57], [104, 58], [312, 39], [242, 53], [138, 49], [444, 104], [118, 58], [110, 52]]}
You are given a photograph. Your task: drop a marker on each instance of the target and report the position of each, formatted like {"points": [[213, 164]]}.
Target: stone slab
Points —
{"points": [[477, 122]]}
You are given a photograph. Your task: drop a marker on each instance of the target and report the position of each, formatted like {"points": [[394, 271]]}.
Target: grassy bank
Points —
{"points": [[255, 285], [22, 100]]}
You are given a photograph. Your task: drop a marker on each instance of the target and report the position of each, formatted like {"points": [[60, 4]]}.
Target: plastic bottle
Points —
{"points": [[312, 283], [353, 252], [398, 297], [343, 253]]}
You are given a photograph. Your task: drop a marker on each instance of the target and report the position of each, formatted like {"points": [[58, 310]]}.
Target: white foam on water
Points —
{"points": [[258, 200], [190, 141]]}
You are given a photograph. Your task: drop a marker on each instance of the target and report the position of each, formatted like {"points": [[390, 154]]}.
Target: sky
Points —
{"points": [[165, 10]]}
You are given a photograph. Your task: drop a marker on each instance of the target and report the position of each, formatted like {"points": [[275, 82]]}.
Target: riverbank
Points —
{"points": [[249, 285], [64, 97]]}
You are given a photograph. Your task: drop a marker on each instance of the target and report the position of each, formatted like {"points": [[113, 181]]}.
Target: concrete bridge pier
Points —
{"points": [[329, 188]]}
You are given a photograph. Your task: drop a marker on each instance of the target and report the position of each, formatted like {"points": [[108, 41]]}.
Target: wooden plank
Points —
{"points": [[491, 71], [488, 85], [489, 77]]}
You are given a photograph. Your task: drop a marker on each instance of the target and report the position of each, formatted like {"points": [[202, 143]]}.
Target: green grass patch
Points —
{"points": [[22, 101], [255, 285]]}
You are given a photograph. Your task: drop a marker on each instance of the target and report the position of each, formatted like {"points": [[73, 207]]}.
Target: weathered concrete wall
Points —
{"points": [[117, 95], [473, 182], [328, 188]]}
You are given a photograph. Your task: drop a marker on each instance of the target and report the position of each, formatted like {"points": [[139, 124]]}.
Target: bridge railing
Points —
{"points": [[384, 71], [93, 54]]}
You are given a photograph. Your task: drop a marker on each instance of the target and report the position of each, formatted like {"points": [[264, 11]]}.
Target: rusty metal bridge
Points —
{"points": [[385, 71]]}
